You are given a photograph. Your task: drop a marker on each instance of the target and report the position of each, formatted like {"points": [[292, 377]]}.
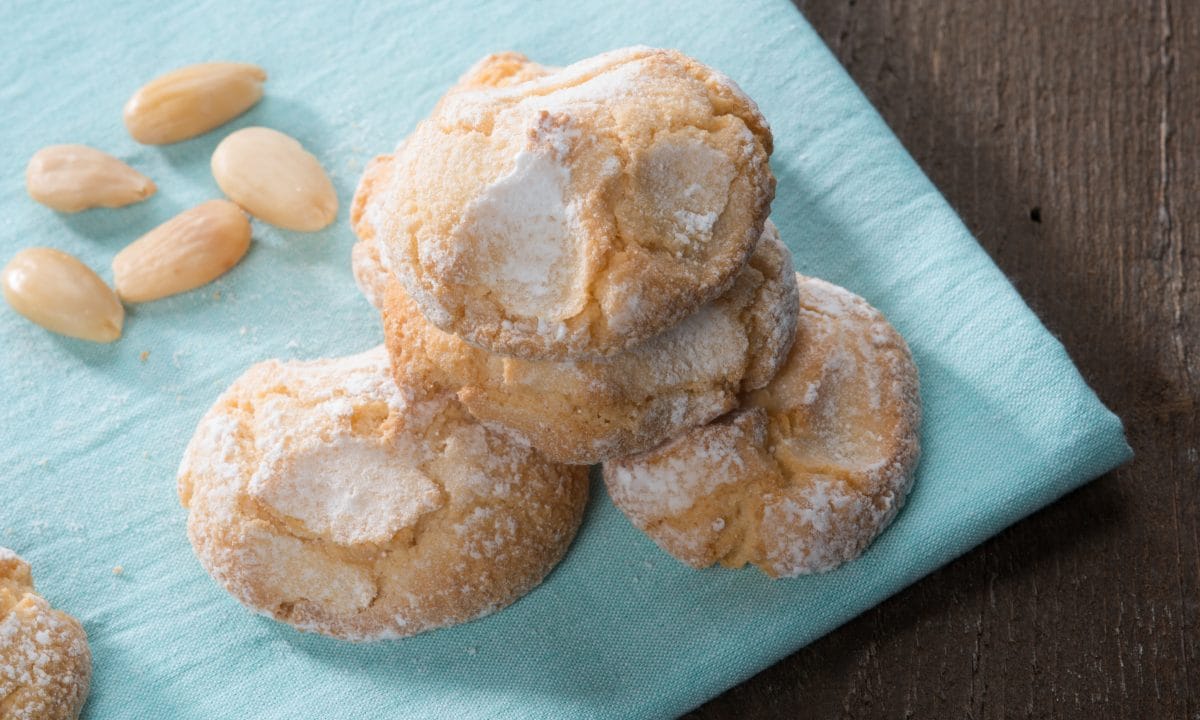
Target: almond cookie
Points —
{"points": [[325, 496], [586, 411], [45, 663], [578, 212], [808, 471]]}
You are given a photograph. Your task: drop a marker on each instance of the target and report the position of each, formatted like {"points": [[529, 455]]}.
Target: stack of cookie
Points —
{"points": [[574, 266]]}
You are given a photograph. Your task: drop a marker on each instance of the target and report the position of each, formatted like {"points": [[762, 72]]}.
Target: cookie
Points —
{"points": [[45, 662], [586, 411], [323, 495], [579, 212], [808, 471]]}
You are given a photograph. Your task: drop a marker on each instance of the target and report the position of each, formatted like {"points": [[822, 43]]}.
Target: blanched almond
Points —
{"points": [[70, 178], [274, 178], [193, 248], [58, 292], [192, 100]]}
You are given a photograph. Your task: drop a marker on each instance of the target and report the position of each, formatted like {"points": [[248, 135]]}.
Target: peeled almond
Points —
{"points": [[60, 293], [70, 178], [191, 249], [274, 178], [192, 100]]}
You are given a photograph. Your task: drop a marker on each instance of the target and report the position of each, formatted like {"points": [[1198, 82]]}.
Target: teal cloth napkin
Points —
{"points": [[91, 434]]}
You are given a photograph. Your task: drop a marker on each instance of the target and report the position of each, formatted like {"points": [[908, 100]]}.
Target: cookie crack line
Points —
{"points": [[695, 299]]}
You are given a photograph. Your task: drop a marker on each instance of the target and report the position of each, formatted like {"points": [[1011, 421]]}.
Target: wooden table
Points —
{"points": [[1067, 135]]}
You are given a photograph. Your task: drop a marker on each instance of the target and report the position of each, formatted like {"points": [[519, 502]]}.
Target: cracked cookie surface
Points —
{"points": [[45, 662], [556, 214], [586, 411], [370, 271], [323, 495], [808, 471]]}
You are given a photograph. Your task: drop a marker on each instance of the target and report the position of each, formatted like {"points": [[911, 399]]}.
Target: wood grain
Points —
{"points": [[1066, 134]]}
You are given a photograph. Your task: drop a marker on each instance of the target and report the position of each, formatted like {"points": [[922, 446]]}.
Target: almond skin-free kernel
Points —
{"points": [[71, 178], [274, 178], [60, 293], [192, 100], [191, 249]]}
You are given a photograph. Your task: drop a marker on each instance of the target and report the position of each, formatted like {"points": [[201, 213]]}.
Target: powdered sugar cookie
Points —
{"points": [[578, 212], [45, 663], [586, 411], [320, 494], [808, 471]]}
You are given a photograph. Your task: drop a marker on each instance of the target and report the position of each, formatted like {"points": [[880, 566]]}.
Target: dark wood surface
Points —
{"points": [[1067, 135]]}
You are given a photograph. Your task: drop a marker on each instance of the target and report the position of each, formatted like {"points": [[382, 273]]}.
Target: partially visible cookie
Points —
{"points": [[45, 662], [323, 495], [587, 411], [808, 471], [574, 213]]}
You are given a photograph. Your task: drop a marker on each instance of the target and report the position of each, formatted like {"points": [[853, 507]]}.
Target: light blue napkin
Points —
{"points": [[91, 435]]}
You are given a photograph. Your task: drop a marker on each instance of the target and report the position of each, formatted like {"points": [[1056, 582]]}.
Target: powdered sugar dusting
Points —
{"points": [[45, 663], [690, 181], [522, 233], [350, 490], [673, 481], [605, 87], [695, 227], [296, 569], [827, 514], [324, 461]]}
